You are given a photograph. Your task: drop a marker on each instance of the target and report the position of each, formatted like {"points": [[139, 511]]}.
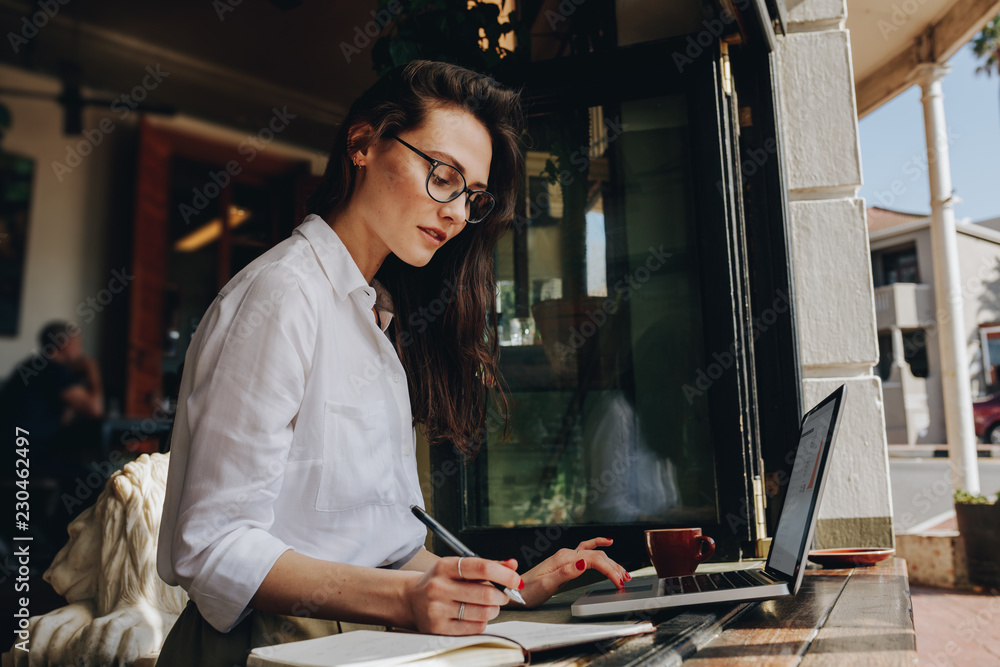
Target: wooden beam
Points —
{"points": [[887, 81], [960, 24], [937, 43]]}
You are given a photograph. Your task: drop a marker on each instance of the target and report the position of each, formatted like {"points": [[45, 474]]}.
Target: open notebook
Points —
{"points": [[505, 644]]}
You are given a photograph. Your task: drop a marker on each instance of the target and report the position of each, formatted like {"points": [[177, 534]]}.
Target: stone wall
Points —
{"points": [[831, 266]]}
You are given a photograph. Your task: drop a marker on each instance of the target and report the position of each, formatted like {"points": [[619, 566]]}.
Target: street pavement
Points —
{"points": [[957, 628], [922, 491], [960, 628]]}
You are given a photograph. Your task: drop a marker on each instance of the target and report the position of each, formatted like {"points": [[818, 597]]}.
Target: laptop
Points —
{"points": [[782, 573]]}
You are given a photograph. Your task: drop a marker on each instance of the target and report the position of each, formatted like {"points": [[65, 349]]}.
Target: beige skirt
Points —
{"points": [[192, 642]]}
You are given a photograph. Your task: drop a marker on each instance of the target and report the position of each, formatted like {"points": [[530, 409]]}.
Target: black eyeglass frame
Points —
{"points": [[465, 185]]}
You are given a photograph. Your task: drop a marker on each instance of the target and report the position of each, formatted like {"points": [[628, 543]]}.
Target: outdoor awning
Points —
{"points": [[889, 40]]}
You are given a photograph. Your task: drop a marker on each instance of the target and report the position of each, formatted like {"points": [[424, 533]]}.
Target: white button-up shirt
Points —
{"points": [[293, 429]]}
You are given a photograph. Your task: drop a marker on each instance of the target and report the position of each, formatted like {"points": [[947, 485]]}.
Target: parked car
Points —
{"points": [[986, 413]]}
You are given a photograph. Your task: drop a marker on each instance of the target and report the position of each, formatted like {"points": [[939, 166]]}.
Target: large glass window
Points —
{"points": [[210, 245], [598, 349], [626, 309], [896, 265]]}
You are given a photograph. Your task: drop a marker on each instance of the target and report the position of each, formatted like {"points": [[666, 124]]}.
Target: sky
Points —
{"points": [[894, 152]]}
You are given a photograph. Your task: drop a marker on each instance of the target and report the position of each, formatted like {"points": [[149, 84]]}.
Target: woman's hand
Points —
{"points": [[543, 580], [451, 599]]}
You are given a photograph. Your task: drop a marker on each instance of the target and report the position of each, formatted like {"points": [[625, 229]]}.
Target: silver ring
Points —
{"points": [[461, 611], [460, 570]]}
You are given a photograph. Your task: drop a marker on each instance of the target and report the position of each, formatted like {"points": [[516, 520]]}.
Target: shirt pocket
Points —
{"points": [[357, 457]]}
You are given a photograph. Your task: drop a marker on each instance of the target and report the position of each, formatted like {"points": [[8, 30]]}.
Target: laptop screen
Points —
{"points": [[789, 544]]}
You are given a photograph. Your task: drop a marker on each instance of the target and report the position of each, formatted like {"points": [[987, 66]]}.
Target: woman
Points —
{"points": [[292, 460]]}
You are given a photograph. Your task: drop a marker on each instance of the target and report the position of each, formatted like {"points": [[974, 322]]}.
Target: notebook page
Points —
{"points": [[369, 648], [540, 636]]}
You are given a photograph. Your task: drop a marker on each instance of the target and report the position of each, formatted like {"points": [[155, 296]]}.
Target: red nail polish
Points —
{"points": [[628, 577], [521, 586], [621, 583], [581, 565]]}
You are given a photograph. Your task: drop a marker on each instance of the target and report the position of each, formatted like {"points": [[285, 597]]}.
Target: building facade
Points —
{"points": [[907, 308]]}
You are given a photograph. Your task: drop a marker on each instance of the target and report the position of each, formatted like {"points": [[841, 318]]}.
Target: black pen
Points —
{"points": [[457, 546]]}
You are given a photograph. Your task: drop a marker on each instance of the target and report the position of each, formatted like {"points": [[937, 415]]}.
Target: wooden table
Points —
{"points": [[859, 616]]}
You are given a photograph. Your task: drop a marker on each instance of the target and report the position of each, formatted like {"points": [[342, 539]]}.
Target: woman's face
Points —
{"points": [[393, 185]]}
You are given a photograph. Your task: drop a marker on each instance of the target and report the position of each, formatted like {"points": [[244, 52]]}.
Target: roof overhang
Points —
{"points": [[969, 229], [890, 41]]}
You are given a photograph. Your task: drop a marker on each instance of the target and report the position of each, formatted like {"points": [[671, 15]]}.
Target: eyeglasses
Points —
{"points": [[445, 183]]}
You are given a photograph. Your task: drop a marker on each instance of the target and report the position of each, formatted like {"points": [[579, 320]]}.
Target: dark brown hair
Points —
{"points": [[450, 355]]}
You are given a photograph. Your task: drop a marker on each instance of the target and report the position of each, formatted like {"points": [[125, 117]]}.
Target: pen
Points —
{"points": [[457, 546]]}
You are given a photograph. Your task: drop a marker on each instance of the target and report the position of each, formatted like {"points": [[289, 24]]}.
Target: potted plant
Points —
{"points": [[979, 524]]}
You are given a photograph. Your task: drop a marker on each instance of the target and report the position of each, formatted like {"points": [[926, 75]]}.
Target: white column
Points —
{"points": [[956, 384]]}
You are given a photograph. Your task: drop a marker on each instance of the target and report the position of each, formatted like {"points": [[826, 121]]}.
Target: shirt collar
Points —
{"points": [[341, 270], [383, 303]]}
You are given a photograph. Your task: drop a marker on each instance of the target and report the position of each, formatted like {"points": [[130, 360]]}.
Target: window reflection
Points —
{"points": [[600, 317]]}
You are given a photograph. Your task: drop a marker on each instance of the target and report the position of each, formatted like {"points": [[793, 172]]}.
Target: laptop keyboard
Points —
{"points": [[713, 581]]}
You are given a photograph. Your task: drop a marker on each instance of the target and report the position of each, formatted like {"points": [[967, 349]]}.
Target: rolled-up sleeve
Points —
{"points": [[249, 368]]}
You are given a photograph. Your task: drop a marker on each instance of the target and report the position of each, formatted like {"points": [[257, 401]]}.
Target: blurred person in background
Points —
{"points": [[56, 398]]}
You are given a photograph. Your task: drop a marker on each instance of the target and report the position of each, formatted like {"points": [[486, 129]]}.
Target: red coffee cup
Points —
{"points": [[677, 551]]}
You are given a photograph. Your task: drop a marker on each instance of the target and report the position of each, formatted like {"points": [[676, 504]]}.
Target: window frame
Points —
{"points": [[766, 386], [878, 263]]}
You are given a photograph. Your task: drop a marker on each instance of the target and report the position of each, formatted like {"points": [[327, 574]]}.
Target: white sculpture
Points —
{"points": [[119, 608]]}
